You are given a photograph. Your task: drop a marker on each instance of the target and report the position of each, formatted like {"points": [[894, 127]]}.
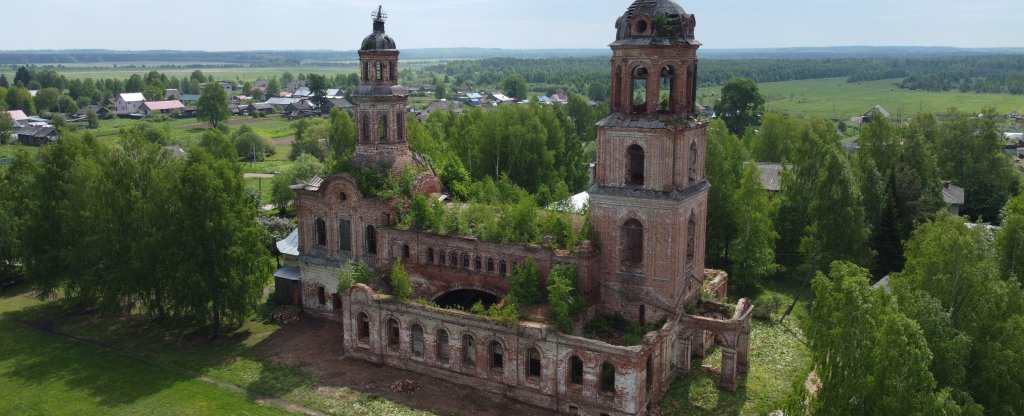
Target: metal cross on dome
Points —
{"points": [[379, 15]]}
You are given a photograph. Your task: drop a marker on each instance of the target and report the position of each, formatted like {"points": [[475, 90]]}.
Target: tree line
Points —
{"points": [[132, 229]]}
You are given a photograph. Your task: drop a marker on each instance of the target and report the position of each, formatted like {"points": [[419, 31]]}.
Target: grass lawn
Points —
{"points": [[42, 374], [818, 98], [778, 357], [47, 375]]}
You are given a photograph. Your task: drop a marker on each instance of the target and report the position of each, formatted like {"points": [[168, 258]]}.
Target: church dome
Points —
{"points": [[378, 40], [655, 19]]}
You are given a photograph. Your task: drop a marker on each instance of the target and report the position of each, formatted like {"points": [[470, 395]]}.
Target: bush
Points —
{"points": [[401, 286], [564, 297], [352, 273], [524, 283], [767, 306]]}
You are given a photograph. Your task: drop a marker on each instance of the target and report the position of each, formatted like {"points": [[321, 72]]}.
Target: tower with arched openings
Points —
{"points": [[649, 199]]}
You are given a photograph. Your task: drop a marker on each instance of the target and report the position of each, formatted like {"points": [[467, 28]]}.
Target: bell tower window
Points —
{"points": [[633, 243], [691, 240], [635, 165], [366, 128], [693, 163], [640, 90], [666, 102], [380, 71], [382, 128]]}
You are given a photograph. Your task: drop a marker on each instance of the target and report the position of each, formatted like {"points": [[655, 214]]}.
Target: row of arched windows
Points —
{"points": [[383, 126], [380, 71], [533, 365], [344, 235], [633, 241], [636, 165], [477, 264]]}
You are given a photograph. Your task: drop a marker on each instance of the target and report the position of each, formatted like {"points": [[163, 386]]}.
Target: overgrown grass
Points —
{"points": [[778, 357]]}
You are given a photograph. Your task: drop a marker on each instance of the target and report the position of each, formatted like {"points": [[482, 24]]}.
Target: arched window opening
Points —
{"points": [[321, 232], [691, 239], [454, 260], [633, 243], [635, 165], [497, 353], [442, 346], [321, 295], [640, 90], [643, 315], [430, 255], [441, 259], [650, 373], [393, 70], [640, 28], [502, 268], [400, 134], [490, 265], [533, 363], [371, 239], [693, 163], [607, 378], [345, 235], [380, 71], [394, 334], [366, 128], [468, 350], [666, 92], [465, 261], [382, 128], [364, 326], [417, 340], [575, 370], [477, 264], [405, 251], [366, 71]]}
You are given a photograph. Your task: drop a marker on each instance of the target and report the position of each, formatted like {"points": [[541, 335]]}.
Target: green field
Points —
{"points": [[835, 98]]}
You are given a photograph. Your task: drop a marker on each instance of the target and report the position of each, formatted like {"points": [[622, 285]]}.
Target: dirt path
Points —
{"points": [[236, 122], [314, 346], [284, 141]]}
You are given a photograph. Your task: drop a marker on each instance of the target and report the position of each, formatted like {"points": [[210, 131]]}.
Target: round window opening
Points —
{"points": [[641, 27]]}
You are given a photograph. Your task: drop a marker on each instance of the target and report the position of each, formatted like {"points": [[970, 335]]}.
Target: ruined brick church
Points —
{"points": [[648, 204]]}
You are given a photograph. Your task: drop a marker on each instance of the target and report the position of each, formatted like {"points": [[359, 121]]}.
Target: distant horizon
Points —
{"points": [[257, 25], [781, 48]]}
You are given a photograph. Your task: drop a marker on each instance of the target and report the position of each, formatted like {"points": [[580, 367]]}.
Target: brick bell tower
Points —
{"points": [[649, 199], [380, 103]]}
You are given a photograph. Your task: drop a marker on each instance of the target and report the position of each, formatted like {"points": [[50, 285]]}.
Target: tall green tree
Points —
{"points": [[870, 358], [273, 87], [741, 105], [22, 77], [317, 85], [752, 250], [21, 99], [969, 150], [775, 139], [213, 105], [724, 166], [515, 86], [342, 134], [224, 260], [17, 181], [6, 127], [440, 91]]}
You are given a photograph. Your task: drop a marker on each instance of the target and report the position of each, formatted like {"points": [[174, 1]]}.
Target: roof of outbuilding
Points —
{"points": [[164, 105], [132, 97], [952, 194], [290, 244], [17, 115], [771, 176]]}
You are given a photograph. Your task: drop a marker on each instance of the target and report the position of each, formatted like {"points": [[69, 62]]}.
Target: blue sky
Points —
{"points": [[218, 25]]}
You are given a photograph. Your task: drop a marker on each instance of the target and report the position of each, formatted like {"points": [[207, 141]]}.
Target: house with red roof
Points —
{"points": [[160, 107]]}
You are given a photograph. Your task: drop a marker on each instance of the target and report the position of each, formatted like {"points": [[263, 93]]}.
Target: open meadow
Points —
{"points": [[834, 98]]}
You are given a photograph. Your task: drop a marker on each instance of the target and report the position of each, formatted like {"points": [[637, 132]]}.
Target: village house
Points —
{"points": [[866, 118], [161, 107], [648, 206], [128, 103], [19, 117], [189, 99], [172, 94], [36, 134]]}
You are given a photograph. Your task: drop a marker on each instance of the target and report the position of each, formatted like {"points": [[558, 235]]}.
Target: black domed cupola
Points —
{"points": [[379, 40], [655, 20]]}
